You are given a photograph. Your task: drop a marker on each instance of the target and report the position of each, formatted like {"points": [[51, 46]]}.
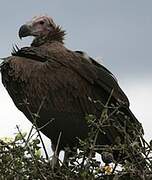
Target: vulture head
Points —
{"points": [[40, 27]]}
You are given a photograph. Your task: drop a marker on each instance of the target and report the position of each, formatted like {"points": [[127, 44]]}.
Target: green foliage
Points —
{"points": [[21, 157]]}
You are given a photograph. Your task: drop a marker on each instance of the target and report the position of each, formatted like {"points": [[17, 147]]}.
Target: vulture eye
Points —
{"points": [[41, 22]]}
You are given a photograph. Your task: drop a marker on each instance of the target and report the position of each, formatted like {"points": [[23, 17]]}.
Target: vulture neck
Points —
{"points": [[56, 35]]}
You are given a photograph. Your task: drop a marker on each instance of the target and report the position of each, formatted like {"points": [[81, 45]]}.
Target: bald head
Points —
{"points": [[37, 26]]}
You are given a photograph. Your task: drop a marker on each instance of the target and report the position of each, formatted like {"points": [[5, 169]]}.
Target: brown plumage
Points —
{"points": [[64, 81]]}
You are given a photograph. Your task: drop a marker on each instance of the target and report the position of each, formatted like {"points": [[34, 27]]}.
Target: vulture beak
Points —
{"points": [[24, 31]]}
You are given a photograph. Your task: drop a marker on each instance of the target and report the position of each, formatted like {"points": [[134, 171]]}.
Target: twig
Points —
{"points": [[35, 124]]}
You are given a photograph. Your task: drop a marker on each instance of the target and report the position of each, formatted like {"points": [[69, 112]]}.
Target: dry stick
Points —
{"points": [[123, 128], [129, 142], [109, 97], [105, 108], [35, 162], [30, 137], [56, 150], [98, 130], [146, 155], [147, 145], [83, 160], [57, 146], [46, 154], [130, 149], [46, 124], [30, 132], [35, 124]]}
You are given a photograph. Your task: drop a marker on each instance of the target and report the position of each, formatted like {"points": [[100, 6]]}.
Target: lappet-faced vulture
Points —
{"points": [[62, 86]]}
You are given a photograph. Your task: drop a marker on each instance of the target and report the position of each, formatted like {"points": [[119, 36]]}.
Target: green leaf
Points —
{"points": [[20, 136]]}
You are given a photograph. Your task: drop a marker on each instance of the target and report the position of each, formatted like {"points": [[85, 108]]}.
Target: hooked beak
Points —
{"points": [[24, 31]]}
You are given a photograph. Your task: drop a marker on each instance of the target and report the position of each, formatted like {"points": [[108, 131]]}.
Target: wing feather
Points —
{"points": [[38, 80], [90, 72]]}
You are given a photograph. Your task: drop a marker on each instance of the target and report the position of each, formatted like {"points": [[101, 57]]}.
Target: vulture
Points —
{"points": [[60, 87]]}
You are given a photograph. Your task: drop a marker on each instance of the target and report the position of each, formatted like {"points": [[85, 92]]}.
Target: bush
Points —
{"points": [[21, 158]]}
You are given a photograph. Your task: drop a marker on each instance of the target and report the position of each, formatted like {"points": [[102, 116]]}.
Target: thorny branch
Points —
{"points": [[18, 157]]}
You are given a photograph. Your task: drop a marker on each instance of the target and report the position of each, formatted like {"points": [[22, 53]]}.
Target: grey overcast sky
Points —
{"points": [[120, 31]]}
